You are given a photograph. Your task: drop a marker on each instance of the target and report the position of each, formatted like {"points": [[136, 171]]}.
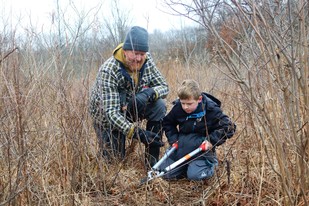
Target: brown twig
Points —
{"points": [[8, 54]]}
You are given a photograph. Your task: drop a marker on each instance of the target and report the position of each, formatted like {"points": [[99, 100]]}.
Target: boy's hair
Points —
{"points": [[189, 88]]}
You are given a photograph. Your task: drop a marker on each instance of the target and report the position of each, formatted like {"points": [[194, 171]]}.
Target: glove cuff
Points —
{"points": [[131, 132], [155, 96]]}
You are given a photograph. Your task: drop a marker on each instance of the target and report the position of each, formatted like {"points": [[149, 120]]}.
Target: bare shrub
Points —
{"points": [[255, 61], [264, 46]]}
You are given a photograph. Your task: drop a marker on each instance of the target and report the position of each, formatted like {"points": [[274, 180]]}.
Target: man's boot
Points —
{"points": [[152, 153]]}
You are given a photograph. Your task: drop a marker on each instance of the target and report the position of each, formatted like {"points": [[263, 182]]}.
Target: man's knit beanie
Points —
{"points": [[136, 39]]}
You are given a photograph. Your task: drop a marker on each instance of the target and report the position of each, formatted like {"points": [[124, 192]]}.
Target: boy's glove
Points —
{"points": [[206, 145], [172, 139], [148, 138]]}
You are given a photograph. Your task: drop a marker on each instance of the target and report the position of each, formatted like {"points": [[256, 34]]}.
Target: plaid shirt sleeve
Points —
{"points": [[108, 93], [153, 78]]}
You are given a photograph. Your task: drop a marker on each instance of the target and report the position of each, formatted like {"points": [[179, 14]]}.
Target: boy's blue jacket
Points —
{"points": [[206, 122]]}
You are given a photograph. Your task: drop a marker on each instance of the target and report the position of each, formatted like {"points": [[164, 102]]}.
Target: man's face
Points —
{"points": [[134, 59], [190, 105]]}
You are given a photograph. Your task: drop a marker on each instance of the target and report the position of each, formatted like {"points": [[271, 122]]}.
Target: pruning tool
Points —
{"points": [[155, 172]]}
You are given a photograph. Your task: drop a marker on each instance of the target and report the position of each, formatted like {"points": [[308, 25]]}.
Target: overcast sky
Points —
{"points": [[40, 12]]}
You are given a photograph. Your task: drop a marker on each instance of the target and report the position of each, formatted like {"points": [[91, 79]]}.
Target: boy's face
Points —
{"points": [[190, 105]]}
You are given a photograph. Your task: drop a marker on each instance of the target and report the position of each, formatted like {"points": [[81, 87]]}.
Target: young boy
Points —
{"points": [[194, 118]]}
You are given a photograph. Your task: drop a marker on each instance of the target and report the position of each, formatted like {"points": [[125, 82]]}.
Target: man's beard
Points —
{"points": [[135, 66]]}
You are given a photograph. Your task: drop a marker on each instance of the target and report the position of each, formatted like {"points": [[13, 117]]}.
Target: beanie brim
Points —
{"points": [[136, 47]]}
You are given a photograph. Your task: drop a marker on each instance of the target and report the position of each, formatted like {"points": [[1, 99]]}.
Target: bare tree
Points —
{"points": [[117, 23], [264, 46], [38, 71]]}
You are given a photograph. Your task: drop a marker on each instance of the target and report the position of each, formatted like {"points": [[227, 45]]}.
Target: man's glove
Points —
{"points": [[142, 98], [148, 138], [150, 93]]}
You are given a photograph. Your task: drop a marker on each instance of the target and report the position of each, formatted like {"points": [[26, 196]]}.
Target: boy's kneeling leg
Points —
{"points": [[200, 170]]}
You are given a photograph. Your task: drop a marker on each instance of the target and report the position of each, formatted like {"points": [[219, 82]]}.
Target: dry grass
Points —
{"points": [[49, 149]]}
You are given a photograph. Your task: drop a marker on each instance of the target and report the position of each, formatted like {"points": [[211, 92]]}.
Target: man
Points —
{"points": [[128, 88]]}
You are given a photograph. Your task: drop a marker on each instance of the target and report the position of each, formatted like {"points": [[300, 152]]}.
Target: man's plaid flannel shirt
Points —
{"points": [[112, 79]]}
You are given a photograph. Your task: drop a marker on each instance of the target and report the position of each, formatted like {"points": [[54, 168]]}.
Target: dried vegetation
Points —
{"points": [[48, 149]]}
